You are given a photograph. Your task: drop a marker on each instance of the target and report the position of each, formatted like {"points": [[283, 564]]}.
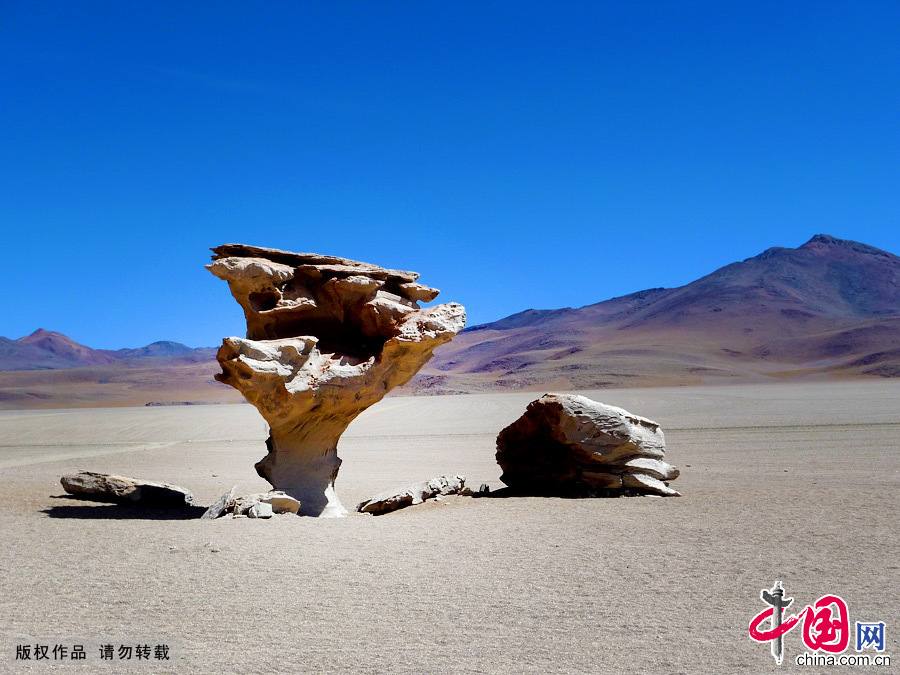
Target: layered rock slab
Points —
{"points": [[572, 445], [327, 337], [105, 487], [393, 500]]}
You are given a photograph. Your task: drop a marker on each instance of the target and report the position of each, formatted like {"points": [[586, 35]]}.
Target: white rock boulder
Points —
{"points": [[568, 444]]}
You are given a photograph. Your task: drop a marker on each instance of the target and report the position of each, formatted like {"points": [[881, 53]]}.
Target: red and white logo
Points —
{"points": [[825, 625]]}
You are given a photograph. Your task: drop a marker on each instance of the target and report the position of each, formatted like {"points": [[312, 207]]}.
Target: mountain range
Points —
{"points": [[48, 350], [47, 369], [827, 309]]}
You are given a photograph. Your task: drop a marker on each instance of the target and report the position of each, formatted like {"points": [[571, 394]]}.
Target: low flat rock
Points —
{"points": [[104, 487], [652, 467], [644, 483], [386, 502], [281, 502]]}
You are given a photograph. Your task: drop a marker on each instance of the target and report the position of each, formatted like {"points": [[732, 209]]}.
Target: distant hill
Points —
{"points": [[48, 350], [45, 349], [165, 349], [50, 370], [830, 308]]}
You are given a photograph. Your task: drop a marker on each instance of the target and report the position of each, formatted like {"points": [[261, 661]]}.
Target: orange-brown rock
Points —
{"points": [[326, 338]]}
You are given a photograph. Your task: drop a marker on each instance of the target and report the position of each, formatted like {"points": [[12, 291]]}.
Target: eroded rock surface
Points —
{"points": [[566, 444], [386, 502], [104, 487], [326, 338]]}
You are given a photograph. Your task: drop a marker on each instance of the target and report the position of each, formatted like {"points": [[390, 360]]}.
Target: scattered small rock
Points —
{"points": [[260, 510], [484, 490], [220, 506], [261, 504]]}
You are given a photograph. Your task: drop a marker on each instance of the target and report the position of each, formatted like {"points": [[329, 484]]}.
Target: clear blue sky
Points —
{"points": [[516, 154]]}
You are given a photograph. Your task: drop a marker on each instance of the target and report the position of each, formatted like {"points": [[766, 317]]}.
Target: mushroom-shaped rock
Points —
{"points": [[567, 444], [327, 337]]}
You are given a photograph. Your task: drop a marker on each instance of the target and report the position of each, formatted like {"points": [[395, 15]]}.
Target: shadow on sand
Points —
{"points": [[511, 493], [107, 511]]}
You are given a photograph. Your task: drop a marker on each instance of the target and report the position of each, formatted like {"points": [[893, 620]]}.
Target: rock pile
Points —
{"points": [[258, 505], [326, 338], [571, 445]]}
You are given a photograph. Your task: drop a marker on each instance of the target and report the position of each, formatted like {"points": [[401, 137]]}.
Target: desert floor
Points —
{"points": [[792, 482]]}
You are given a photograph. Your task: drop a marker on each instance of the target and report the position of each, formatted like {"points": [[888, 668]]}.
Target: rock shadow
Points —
{"points": [[107, 511], [512, 493]]}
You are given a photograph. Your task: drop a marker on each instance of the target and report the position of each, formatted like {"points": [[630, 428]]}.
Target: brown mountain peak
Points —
{"points": [[828, 243], [42, 334]]}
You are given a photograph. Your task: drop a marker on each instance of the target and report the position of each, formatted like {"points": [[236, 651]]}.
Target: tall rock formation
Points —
{"points": [[326, 338]]}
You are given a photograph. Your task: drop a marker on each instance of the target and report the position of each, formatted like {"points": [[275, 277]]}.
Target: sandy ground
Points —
{"points": [[795, 482]]}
